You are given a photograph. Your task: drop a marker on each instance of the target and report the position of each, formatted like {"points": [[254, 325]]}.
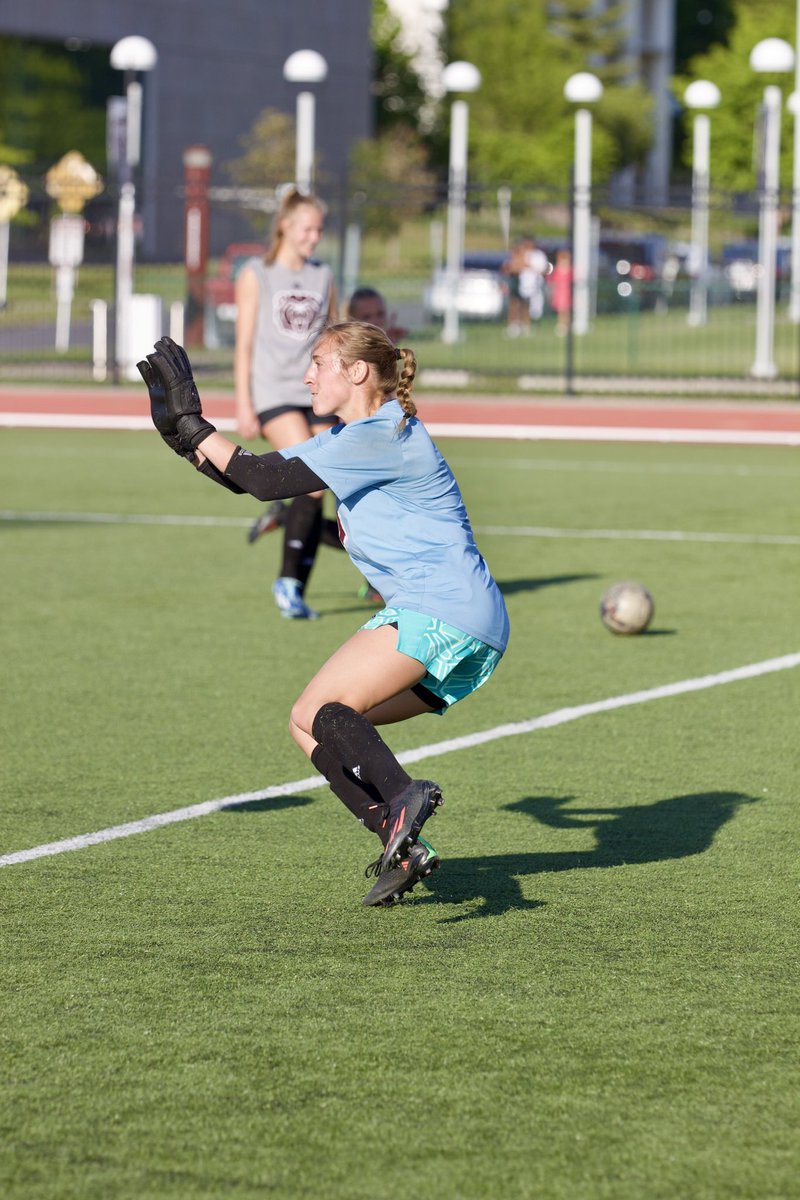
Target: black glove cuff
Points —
{"points": [[193, 429]]}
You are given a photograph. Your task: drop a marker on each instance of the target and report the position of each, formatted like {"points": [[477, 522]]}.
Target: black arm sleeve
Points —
{"points": [[210, 471], [271, 476]]}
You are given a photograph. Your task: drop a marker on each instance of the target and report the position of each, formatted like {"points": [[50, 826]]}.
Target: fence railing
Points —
{"points": [[640, 333]]}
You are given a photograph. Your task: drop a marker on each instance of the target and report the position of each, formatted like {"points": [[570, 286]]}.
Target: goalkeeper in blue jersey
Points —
{"points": [[443, 627]]}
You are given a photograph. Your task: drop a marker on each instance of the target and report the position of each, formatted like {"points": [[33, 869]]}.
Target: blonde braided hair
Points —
{"points": [[393, 369]]}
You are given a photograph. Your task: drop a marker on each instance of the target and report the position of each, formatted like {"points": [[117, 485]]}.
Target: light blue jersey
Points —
{"points": [[404, 523]]}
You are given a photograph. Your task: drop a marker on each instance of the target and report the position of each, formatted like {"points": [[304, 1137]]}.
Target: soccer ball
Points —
{"points": [[627, 608]]}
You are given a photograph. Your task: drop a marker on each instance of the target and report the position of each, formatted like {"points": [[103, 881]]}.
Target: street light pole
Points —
{"points": [[702, 94], [305, 66], [457, 77], [582, 88], [793, 104], [794, 107], [130, 55], [771, 55]]}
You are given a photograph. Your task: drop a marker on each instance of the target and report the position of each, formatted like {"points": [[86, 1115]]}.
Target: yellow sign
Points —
{"points": [[72, 181], [13, 194]]}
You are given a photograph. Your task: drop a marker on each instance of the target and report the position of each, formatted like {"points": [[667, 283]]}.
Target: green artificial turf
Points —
{"points": [[596, 995]]}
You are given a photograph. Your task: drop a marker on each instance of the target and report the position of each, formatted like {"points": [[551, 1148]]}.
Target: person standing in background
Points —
{"points": [[365, 304], [283, 301], [560, 284]]}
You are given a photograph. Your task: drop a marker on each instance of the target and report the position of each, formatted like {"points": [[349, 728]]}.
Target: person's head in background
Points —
{"points": [[367, 304], [296, 229]]}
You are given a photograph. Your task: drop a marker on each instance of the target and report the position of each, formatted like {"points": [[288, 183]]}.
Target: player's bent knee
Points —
{"points": [[324, 722]]}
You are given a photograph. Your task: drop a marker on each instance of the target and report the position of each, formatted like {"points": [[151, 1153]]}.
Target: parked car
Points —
{"points": [[629, 266], [482, 292], [219, 313], [741, 268]]}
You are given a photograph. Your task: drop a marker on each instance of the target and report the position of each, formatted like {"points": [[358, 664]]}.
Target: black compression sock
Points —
{"points": [[330, 534], [301, 537], [353, 741], [363, 802]]}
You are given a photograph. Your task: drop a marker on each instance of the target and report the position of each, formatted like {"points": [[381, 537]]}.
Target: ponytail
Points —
{"points": [[405, 383]]}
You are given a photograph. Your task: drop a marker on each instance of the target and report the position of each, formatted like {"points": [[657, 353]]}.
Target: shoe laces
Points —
{"points": [[374, 868]]}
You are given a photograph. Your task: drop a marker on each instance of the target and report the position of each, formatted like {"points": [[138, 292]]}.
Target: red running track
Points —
{"points": [[489, 416]]}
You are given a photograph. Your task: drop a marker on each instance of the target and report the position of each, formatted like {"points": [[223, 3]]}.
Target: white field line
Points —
{"points": [[457, 429], [560, 716], [640, 535], [529, 531]]}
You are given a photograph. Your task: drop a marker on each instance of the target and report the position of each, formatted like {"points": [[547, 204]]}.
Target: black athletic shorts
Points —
{"points": [[269, 414]]}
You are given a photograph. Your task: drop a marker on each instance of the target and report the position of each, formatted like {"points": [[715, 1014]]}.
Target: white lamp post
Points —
{"points": [[457, 77], [772, 55], [702, 94], [583, 88], [794, 108], [131, 55], [793, 104], [305, 66]]}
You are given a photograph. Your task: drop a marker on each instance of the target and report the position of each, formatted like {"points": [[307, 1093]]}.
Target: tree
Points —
{"points": [[392, 174], [269, 152], [521, 125], [734, 122], [397, 88], [49, 103]]}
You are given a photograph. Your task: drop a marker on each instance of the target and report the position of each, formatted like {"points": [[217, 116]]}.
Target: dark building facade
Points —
{"points": [[220, 64]]}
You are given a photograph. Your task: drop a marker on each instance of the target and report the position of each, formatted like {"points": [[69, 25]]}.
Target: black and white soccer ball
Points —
{"points": [[627, 607]]}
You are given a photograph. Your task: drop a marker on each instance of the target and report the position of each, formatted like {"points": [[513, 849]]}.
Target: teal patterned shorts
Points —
{"points": [[456, 664]]}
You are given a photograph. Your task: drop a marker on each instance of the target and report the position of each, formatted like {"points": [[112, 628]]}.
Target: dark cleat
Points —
{"points": [[408, 812], [272, 518], [390, 885]]}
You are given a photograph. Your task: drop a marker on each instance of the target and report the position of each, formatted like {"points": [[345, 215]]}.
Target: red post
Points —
{"points": [[196, 175]]}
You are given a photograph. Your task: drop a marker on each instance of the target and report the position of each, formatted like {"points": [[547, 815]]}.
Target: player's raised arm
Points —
{"points": [[177, 414]]}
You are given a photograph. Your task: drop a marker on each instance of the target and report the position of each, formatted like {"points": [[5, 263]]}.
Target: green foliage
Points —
{"points": [[521, 125], [733, 123], [48, 104], [391, 173], [399, 95], [269, 152]]}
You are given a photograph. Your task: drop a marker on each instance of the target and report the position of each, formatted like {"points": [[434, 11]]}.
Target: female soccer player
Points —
{"points": [[444, 626], [283, 300]]}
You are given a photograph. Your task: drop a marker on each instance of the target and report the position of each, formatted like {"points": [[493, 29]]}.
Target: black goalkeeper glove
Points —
{"points": [[164, 423], [183, 407]]}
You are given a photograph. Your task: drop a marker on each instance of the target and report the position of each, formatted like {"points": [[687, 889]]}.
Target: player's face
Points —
{"points": [[327, 380], [303, 229]]}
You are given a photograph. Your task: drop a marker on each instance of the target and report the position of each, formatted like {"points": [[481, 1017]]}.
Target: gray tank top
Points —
{"points": [[292, 309]]}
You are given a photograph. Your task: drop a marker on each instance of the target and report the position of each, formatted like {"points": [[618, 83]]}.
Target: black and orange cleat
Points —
{"points": [[408, 812], [391, 885]]}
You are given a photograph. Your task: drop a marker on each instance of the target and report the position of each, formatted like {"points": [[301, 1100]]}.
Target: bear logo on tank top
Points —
{"points": [[296, 313]]}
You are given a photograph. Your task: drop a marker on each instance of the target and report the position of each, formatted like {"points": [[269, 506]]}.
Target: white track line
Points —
{"points": [[560, 716], [531, 531], [457, 429]]}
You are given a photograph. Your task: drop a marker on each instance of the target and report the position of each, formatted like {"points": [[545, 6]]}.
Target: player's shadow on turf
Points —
{"points": [[510, 586], [266, 804], [678, 827]]}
